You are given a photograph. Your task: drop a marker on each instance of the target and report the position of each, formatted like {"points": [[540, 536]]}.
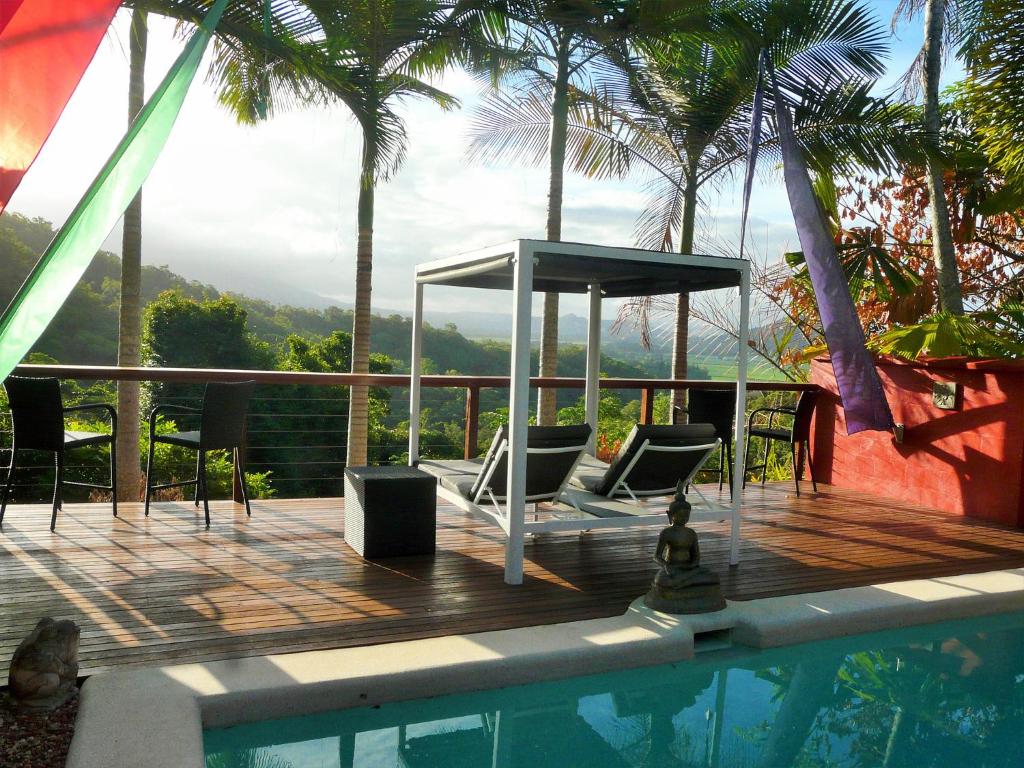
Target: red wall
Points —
{"points": [[968, 461]]}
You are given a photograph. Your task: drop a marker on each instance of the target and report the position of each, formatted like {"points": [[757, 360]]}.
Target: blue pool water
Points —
{"points": [[942, 695]]}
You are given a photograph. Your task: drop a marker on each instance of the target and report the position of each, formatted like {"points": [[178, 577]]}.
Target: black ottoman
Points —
{"points": [[390, 511]]}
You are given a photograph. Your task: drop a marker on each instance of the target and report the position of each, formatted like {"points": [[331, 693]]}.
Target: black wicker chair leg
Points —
{"points": [[199, 464], [58, 481], [764, 464], [810, 466], [727, 467], [241, 481], [113, 473], [201, 477], [8, 484], [796, 470], [746, 461], [149, 470]]}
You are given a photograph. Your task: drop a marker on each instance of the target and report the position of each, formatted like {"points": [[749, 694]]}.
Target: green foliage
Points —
{"points": [[947, 335], [199, 334], [995, 85], [614, 419], [871, 269]]}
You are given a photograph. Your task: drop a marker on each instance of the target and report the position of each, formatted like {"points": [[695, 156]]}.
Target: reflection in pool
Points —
{"points": [[943, 695]]}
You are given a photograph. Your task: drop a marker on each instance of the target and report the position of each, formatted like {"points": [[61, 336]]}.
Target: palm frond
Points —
{"points": [[510, 128]]}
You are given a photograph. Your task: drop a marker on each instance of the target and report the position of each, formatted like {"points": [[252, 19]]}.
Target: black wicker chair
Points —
{"points": [[718, 408], [37, 411], [799, 433], [221, 427]]}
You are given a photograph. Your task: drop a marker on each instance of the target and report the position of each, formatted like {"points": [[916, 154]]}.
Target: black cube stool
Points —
{"points": [[390, 511]]}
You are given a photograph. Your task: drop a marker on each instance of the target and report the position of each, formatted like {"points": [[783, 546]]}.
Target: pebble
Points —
{"points": [[35, 739]]}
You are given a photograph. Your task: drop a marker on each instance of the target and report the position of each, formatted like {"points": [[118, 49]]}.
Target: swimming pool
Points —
{"points": [[947, 694]]}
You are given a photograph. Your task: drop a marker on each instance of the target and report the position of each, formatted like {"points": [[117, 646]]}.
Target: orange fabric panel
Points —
{"points": [[45, 47]]}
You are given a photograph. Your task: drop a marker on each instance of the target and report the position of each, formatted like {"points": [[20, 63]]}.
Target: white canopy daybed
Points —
{"points": [[525, 266]]}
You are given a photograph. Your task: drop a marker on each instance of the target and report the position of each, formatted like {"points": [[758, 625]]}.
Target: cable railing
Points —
{"points": [[298, 420]]}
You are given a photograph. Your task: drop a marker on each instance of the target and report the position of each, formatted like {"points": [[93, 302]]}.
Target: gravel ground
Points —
{"points": [[36, 739]]}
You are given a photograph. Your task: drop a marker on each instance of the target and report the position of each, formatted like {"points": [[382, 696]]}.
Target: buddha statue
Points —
{"points": [[681, 584]]}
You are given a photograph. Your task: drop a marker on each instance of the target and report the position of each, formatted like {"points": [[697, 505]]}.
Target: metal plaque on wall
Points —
{"points": [[945, 394]]}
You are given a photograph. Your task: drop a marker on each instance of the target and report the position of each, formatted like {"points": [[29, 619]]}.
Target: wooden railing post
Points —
{"points": [[472, 422], [647, 405]]}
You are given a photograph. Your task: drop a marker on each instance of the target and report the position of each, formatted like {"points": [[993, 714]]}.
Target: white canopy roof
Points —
{"points": [[572, 267]]}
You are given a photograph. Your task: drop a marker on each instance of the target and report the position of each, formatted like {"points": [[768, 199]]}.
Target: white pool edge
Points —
{"points": [[155, 716]]}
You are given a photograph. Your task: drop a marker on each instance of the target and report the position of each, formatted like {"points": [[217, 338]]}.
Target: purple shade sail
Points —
{"points": [[859, 385]]}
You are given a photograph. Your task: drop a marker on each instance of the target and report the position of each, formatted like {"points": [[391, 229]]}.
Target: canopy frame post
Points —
{"points": [[738, 468], [519, 410], [592, 396], [415, 371]]}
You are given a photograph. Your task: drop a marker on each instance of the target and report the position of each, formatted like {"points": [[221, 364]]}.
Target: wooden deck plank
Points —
{"points": [[165, 590]]}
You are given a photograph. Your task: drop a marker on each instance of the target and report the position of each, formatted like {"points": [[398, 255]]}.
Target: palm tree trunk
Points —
{"points": [[129, 330], [547, 405], [681, 336], [358, 408], [893, 741], [950, 295]]}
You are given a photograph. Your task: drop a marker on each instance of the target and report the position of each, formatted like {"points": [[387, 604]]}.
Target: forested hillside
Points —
{"points": [[85, 330]]}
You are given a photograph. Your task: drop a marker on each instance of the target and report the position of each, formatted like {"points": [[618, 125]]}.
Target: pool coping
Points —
{"points": [[155, 716]]}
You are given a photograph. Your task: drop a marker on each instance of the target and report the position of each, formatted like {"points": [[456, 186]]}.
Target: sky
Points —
{"points": [[270, 210]]}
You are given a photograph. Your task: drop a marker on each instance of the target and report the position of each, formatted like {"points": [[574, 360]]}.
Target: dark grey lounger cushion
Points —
{"points": [[454, 474], [542, 476], [657, 471], [589, 474]]}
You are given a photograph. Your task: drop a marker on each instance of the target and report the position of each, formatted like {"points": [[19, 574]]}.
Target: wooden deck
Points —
{"points": [[164, 590]]}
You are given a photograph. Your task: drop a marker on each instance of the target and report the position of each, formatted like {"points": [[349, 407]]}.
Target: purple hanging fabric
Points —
{"points": [[753, 145], [859, 385]]}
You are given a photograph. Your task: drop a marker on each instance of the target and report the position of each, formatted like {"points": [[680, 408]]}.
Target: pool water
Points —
{"points": [[942, 695]]}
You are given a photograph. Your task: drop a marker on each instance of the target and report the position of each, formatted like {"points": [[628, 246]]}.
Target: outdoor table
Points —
{"points": [[390, 511]]}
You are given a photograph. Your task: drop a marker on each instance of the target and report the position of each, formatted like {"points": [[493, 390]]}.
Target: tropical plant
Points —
{"points": [[257, 42], [683, 119], [995, 85], [385, 49], [129, 326], [948, 24], [367, 54], [945, 334], [539, 56], [883, 235]]}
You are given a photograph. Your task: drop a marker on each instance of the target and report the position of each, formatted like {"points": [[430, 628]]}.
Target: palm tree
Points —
{"points": [[129, 332], [681, 112], [943, 28], [383, 49], [257, 44], [545, 49], [687, 116]]}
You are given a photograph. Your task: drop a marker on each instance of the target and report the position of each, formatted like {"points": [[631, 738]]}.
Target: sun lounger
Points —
{"points": [[652, 460], [552, 454]]}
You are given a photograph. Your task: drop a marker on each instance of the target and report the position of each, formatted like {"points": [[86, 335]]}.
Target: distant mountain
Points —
{"points": [[85, 329]]}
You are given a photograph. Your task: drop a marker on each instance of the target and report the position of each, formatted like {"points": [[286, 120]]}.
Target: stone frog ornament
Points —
{"points": [[44, 668], [681, 584]]}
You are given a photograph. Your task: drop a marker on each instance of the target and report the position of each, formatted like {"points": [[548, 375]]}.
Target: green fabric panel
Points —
{"points": [[66, 258]]}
